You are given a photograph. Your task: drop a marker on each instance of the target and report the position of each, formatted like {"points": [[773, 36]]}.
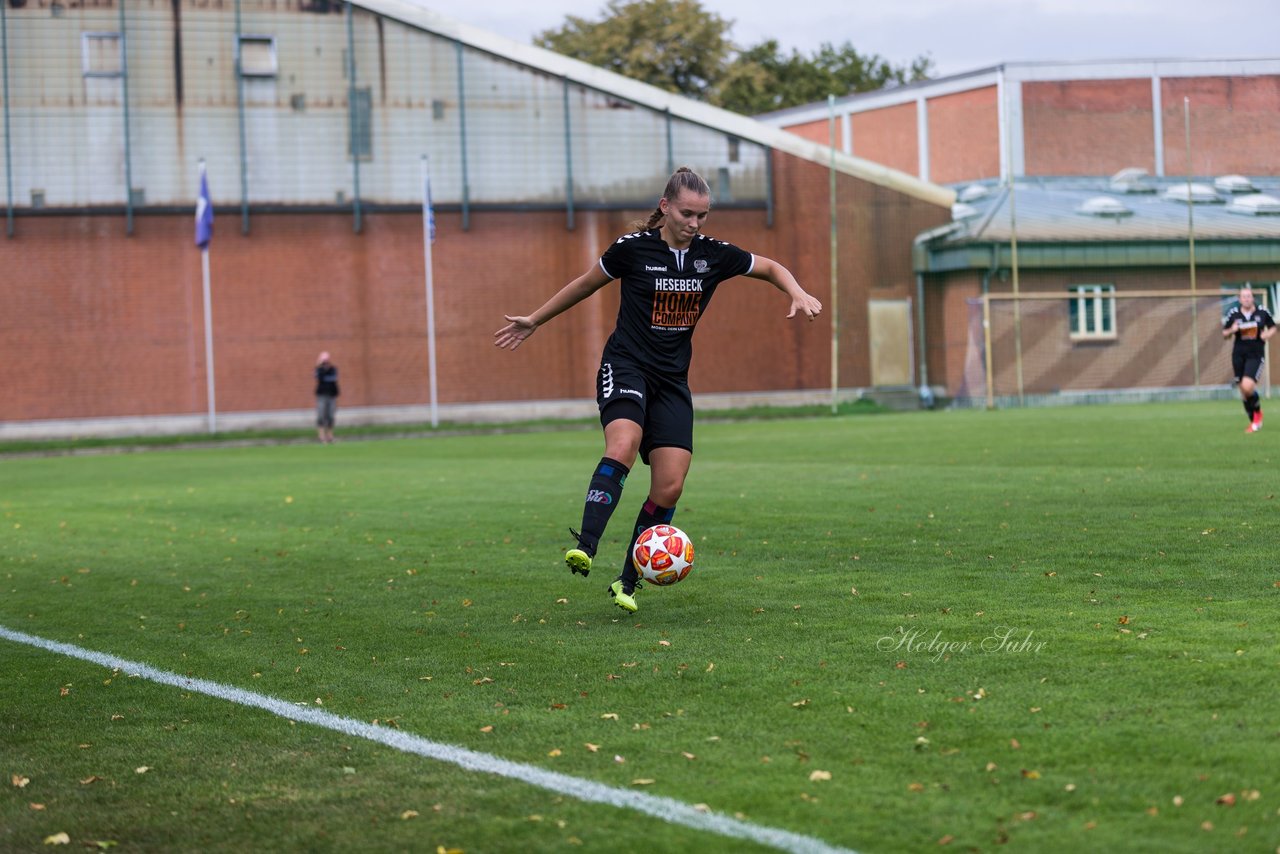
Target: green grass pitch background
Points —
{"points": [[831, 666]]}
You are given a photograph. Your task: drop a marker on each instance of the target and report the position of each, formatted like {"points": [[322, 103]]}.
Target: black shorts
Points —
{"points": [[1247, 365], [662, 406]]}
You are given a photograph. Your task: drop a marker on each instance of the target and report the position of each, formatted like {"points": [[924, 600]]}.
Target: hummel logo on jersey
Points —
{"points": [[606, 379], [649, 269]]}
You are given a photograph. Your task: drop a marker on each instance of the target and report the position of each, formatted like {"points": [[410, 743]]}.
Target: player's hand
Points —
{"points": [[513, 334], [809, 306]]}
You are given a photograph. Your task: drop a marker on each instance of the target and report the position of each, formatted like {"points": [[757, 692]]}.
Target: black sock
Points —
{"points": [[602, 497], [650, 514], [1252, 404]]}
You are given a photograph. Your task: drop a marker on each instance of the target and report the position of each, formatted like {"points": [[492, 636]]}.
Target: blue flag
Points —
{"points": [[204, 214], [431, 211]]}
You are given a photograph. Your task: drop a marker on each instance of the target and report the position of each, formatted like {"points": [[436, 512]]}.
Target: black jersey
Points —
{"points": [[1249, 336], [327, 380], [664, 293]]}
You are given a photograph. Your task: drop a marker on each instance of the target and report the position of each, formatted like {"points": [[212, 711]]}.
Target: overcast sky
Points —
{"points": [[960, 36]]}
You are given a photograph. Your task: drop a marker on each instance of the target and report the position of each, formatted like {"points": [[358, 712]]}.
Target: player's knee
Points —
{"points": [[666, 491], [1246, 387]]}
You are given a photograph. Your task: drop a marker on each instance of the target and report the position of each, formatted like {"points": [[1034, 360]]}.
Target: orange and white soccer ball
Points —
{"points": [[662, 554]]}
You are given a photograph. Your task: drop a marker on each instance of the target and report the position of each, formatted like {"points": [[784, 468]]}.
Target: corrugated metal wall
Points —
{"points": [[91, 111]]}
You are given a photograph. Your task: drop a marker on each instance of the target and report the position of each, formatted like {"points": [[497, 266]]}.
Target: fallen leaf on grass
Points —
{"points": [[664, 643], [644, 781], [1227, 800], [408, 814], [800, 704], [592, 747], [488, 728], [946, 840], [58, 839], [36, 807], [483, 680], [819, 776], [92, 779], [915, 787], [688, 756], [142, 769], [609, 716], [19, 780], [554, 752], [1030, 775]]}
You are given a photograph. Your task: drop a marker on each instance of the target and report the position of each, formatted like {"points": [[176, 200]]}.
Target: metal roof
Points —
{"points": [[417, 13], [1057, 230], [1049, 210]]}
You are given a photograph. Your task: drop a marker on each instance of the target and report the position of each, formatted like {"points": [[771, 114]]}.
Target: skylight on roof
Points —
{"points": [[1234, 184], [1254, 204], [961, 211], [1104, 206], [973, 192], [1131, 180], [1196, 194]]}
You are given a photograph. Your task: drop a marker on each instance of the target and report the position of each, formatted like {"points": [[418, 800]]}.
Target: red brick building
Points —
{"points": [[1053, 119], [313, 119], [1090, 241]]}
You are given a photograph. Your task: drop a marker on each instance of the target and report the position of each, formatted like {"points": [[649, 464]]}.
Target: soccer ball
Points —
{"points": [[662, 554]]}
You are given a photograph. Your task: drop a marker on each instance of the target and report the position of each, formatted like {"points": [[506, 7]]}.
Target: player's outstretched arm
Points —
{"points": [[780, 277], [520, 327]]}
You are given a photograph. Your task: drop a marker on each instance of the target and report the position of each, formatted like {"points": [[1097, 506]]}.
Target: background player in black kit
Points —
{"points": [[669, 271], [1251, 325]]}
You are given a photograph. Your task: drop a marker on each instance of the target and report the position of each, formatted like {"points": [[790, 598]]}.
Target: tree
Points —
{"points": [[681, 47], [762, 78], [675, 45]]}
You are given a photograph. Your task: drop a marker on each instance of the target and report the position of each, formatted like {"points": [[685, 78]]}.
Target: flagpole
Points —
{"points": [[428, 237], [208, 312]]}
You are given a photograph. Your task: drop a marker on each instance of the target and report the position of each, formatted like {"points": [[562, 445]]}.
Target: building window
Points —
{"points": [[258, 56], [1093, 312], [735, 153], [102, 54], [361, 131]]}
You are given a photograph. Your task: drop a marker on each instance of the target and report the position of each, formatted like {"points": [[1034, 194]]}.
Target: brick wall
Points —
{"points": [[888, 136], [99, 324], [964, 136], [1235, 125], [1087, 127]]}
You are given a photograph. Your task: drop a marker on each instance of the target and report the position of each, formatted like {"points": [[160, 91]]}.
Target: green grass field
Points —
{"points": [[1056, 629]]}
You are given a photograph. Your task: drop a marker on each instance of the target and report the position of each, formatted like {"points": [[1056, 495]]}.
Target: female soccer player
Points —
{"points": [[669, 271], [1252, 325]]}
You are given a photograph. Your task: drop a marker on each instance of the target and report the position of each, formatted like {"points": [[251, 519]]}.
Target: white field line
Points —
{"points": [[665, 809]]}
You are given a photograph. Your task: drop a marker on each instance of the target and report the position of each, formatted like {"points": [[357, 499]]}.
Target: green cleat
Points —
{"points": [[625, 601], [578, 562]]}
